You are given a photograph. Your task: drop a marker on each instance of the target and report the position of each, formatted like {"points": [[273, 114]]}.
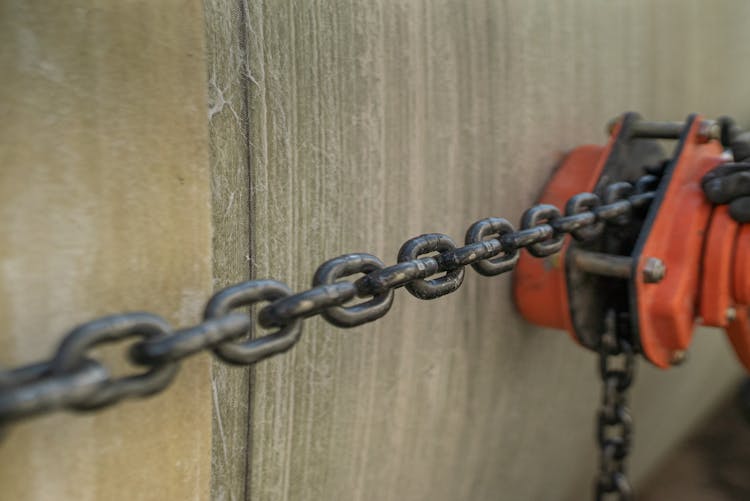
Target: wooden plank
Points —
{"points": [[228, 141], [374, 121], [104, 207]]}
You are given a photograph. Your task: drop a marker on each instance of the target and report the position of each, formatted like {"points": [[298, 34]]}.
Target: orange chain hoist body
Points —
{"points": [[685, 261]]}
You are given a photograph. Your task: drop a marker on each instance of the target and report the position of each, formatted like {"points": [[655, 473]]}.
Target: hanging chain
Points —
{"points": [[74, 379], [614, 428]]}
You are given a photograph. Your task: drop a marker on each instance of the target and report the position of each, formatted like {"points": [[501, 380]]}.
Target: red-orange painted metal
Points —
{"points": [[539, 284], [738, 329], [742, 266], [706, 254], [667, 309], [739, 335], [717, 296]]}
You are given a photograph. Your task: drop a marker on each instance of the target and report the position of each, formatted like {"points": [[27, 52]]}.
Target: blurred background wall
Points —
{"points": [[105, 206], [152, 152]]}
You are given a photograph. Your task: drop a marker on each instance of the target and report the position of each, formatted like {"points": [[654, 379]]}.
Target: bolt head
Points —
{"points": [[731, 314], [678, 357], [708, 130], [654, 270]]}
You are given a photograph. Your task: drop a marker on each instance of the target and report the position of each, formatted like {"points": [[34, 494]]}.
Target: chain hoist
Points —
{"points": [[642, 264], [652, 274]]}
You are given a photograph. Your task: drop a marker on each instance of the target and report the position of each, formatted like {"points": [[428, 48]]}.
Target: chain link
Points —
{"points": [[74, 380], [614, 427]]}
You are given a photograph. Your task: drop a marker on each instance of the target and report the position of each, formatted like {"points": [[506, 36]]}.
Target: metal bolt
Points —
{"points": [[708, 130], [654, 270], [599, 263], [678, 357], [731, 314]]}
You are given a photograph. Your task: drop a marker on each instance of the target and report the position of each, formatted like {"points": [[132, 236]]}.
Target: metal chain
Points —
{"points": [[614, 428], [73, 379]]}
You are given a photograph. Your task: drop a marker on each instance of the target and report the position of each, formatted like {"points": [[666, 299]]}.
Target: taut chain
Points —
{"points": [[73, 379]]}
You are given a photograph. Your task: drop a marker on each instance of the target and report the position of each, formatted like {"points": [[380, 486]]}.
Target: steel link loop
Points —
{"points": [[644, 191], [358, 314], [614, 428], [542, 217], [397, 275], [75, 380], [646, 184], [71, 355], [186, 342], [468, 254], [23, 374], [610, 212], [493, 227], [306, 304], [621, 425], [48, 394], [581, 204], [616, 485], [248, 294], [619, 192], [436, 287]]}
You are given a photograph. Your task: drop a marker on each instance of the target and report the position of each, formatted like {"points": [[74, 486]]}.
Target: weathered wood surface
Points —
{"points": [[104, 207], [361, 124], [228, 140], [371, 122]]}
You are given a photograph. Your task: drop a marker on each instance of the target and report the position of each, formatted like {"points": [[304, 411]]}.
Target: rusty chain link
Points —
{"points": [[614, 428], [74, 380]]}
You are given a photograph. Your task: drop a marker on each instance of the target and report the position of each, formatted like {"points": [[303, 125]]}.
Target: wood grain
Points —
{"points": [[226, 60], [355, 125], [373, 121], [104, 208]]}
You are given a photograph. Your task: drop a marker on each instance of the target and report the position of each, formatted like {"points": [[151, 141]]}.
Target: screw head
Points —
{"points": [[731, 314], [678, 357], [708, 130], [654, 270]]}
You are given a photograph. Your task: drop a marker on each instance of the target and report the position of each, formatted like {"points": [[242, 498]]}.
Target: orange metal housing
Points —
{"points": [[667, 309], [742, 266], [717, 296], [738, 328], [706, 253], [539, 284]]}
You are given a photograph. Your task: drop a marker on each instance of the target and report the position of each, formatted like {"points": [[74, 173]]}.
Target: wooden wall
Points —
{"points": [[373, 121], [153, 151], [104, 208]]}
